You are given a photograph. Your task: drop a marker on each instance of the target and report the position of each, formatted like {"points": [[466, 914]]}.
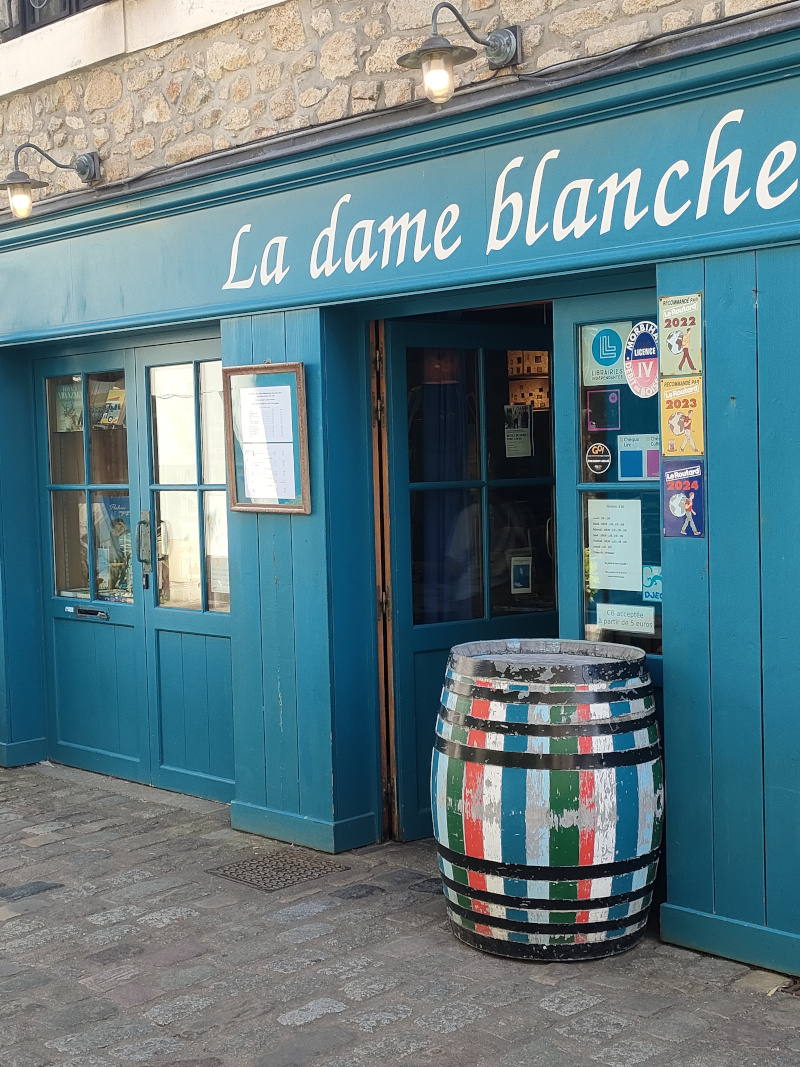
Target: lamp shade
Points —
{"points": [[437, 57], [19, 187]]}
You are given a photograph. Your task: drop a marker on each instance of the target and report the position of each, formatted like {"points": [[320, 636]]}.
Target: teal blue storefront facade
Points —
{"points": [[680, 177]]}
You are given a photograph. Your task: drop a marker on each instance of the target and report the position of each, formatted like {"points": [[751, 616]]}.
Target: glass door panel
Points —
{"points": [[70, 543], [178, 550], [113, 555], [174, 424], [108, 438], [65, 429]]}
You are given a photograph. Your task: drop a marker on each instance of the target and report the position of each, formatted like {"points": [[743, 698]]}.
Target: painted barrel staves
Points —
{"points": [[547, 790]]}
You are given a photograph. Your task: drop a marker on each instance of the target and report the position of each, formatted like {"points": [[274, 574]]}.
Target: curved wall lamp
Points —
{"points": [[20, 185], [437, 56]]}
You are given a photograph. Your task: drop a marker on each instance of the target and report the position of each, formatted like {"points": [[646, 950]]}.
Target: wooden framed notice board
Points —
{"points": [[266, 438]]}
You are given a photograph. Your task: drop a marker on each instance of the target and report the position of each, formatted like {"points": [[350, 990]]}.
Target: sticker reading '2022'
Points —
{"points": [[680, 333]]}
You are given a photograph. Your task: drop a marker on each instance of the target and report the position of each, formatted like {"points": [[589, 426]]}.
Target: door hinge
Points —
{"points": [[379, 409], [383, 603], [378, 359]]}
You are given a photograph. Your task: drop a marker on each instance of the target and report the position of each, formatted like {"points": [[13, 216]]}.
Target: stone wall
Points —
{"points": [[299, 64]]}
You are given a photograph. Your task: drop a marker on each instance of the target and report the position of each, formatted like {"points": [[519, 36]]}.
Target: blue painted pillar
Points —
{"points": [[304, 687], [22, 730]]}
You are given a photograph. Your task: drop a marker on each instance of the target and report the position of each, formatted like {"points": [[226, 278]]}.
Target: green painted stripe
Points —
{"points": [[564, 798], [455, 786], [563, 917], [460, 875], [564, 891]]}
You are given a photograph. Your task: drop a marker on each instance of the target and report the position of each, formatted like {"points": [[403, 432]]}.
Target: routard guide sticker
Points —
{"points": [[680, 323], [683, 489], [641, 359]]}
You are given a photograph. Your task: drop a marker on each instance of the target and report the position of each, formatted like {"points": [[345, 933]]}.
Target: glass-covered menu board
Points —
{"points": [[620, 455]]}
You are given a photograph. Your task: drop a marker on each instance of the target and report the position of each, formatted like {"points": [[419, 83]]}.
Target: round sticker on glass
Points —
{"points": [[598, 458], [641, 359]]}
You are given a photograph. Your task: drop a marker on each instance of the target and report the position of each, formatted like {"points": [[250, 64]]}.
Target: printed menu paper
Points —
{"points": [[615, 544]]}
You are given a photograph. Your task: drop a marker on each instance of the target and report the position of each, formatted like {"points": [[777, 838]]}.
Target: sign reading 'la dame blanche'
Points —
{"points": [[604, 192]]}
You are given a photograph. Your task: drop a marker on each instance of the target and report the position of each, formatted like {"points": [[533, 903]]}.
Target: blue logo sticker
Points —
{"points": [[607, 347], [651, 584]]}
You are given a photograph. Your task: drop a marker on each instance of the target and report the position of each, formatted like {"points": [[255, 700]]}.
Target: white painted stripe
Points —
{"points": [[644, 840], [441, 802], [492, 811]]}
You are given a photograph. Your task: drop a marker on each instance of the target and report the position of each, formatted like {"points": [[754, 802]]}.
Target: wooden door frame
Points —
{"points": [[383, 579]]}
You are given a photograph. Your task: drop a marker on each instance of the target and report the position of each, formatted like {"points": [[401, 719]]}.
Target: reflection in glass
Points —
{"points": [[628, 555], [65, 427], [111, 524], [173, 413], [218, 587], [40, 12], [108, 438], [212, 423], [519, 427], [446, 555], [178, 547], [521, 550], [442, 414], [70, 543]]}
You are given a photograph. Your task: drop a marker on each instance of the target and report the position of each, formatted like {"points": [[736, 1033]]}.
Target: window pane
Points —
{"points": [[218, 589], [446, 555], [619, 428], [40, 12], [65, 425], [111, 524], [519, 428], [521, 549], [108, 440], [622, 573], [174, 439], [212, 422], [442, 414], [178, 546], [70, 540]]}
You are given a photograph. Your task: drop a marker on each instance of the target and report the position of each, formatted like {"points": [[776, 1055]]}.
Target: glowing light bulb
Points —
{"points": [[437, 77], [20, 199]]}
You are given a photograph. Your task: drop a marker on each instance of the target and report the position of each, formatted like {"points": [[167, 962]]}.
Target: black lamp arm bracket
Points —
{"points": [[41, 151], [86, 165], [449, 7]]}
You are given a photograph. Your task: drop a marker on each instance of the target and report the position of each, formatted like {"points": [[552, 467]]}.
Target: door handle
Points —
{"points": [[142, 542], [92, 613]]}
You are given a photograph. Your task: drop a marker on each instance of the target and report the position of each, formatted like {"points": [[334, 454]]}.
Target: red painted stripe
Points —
{"points": [[473, 816], [484, 683], [480, 709]]}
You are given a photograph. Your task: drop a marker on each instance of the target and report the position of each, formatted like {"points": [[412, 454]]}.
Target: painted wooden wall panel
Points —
{"points": [[778, 328], [220, 706], [247, 678], [356, 727], [734, 585], [687, 688], [311, 586], [277, 615], [22, 725]]}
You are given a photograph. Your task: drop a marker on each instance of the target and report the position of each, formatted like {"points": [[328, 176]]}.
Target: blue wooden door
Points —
{"points": [[137, 586], [187, 599], [93, 608], [471, 516]]}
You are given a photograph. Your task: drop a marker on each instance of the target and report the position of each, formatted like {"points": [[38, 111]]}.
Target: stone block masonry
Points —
{"points": [[299, 64]]}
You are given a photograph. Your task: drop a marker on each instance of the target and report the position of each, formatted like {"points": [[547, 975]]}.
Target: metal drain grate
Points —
{"points": [[278, 870]]}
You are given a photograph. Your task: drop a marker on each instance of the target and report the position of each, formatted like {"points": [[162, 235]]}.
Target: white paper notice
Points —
{"points": [[267, 442], [269, 471], [266, 414], [615, 544], [633, 618]]}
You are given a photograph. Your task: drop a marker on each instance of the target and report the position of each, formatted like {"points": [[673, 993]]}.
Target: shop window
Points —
{"points": [[620, 492], [22, 16]]}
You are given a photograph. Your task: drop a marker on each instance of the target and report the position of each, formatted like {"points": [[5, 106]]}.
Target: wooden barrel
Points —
{"points": [[547, 796]]}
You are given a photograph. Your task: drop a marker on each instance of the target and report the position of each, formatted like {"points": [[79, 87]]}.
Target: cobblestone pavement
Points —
{"points": [[117, 948]]}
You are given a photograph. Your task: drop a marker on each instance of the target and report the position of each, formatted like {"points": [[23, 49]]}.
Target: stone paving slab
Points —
{"points": [[118, 948]]}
